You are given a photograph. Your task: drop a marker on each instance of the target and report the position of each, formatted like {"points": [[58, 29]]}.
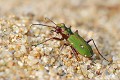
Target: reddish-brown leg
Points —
{"points": [[59, 39], [75, 53], [65, 44], [78, 59]]}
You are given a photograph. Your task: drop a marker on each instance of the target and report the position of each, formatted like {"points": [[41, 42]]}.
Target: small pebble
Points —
{"points": [[90, 75], [20, 63]]}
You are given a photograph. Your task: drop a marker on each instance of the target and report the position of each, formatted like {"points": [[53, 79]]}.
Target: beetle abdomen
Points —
{"points": [[80, 45]]}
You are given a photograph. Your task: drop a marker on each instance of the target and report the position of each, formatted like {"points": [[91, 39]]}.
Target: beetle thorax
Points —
{"points": [[64, 29]]}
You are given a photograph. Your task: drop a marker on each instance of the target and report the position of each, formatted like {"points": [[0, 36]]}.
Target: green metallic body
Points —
{"points": [[77, 42], [80, 45]]}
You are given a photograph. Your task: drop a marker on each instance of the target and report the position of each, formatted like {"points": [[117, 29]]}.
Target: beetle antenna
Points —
{"points": [[43, 25], [50, 20]]}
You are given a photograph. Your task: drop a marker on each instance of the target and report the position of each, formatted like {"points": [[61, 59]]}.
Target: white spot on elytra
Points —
{"points": [[81, 46]]}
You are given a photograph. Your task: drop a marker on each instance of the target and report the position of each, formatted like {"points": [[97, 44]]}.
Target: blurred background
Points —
{"points": [[95, 13], [97, 19]]}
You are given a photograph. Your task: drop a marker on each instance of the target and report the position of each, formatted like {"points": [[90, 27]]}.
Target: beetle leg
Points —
{"points": [[78, 59], [97, 49], [65, 44], [59, 39], [89, 40], [75, 53]]}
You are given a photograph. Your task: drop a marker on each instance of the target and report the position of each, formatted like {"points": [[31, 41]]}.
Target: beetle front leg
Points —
{"points": [[59, 39]]}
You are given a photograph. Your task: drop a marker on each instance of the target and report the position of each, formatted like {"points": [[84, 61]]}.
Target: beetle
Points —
{"points": [[73, 39]]}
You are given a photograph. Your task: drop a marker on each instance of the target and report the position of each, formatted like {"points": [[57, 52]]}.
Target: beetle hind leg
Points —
{"points": [[97, 50], [78, 59]]}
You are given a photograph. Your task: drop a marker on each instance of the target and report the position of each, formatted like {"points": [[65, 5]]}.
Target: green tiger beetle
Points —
{"points": [[74, 40]]}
